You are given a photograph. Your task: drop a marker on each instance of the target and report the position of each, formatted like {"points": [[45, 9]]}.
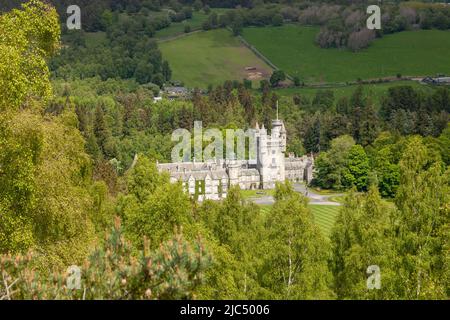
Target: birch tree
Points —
{"points": [[297, 253]]}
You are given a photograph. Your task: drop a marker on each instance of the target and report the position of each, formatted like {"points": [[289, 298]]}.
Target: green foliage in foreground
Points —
{"points": [[296, 265], [112, 271], [408, 242], [279, 254], [46, 194], [153, 206], [51, 205], [28, 38]]}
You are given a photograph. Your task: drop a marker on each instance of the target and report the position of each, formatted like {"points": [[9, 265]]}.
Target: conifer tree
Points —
{"points": [[101, 130]]}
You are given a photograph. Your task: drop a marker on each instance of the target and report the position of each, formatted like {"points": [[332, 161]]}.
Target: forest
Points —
{"points": [[73, 116]]}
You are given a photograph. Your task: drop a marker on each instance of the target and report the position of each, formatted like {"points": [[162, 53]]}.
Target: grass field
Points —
{"points": [[210, 57], [177, 28], [325, 217], [373, 90], [411, 53]]}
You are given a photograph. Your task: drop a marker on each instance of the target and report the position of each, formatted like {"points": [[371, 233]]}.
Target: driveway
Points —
{"points": [[314, 198]]}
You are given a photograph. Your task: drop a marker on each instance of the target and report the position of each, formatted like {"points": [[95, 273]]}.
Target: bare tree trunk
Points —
{"points": [[290, 268]]}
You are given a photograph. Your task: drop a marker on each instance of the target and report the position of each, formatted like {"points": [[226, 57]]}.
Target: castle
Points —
{"points": [[211, 179]]}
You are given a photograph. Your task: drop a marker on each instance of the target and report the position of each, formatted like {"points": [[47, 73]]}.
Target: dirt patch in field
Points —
{"points": [[256, 73]]}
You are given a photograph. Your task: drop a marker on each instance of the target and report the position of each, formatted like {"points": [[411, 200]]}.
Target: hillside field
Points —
{"points": [[374, 91], [409, 53], [177, 28], [212, 57]]}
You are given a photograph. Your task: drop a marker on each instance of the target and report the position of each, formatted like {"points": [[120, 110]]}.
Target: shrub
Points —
{"points": [[360, 39]]}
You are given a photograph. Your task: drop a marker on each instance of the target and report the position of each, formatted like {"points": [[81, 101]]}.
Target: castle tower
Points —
{"points": [[278, 149], [271, 154], [233, 172]]}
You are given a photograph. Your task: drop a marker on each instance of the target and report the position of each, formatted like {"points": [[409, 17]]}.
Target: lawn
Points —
{"points": [[411, 53], [325, 217], [211, 57]]}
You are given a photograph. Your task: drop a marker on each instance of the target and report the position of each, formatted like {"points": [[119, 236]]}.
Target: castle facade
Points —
{"points": [[212, 179]]}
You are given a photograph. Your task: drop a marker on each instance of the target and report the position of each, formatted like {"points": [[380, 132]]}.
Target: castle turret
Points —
{"points": [[233, 172], [271, 154], [278, 149]]}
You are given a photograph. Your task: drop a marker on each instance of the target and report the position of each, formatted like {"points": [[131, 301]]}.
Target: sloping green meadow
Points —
{"points": [[177, 28], [212, 57], [410, 53]]}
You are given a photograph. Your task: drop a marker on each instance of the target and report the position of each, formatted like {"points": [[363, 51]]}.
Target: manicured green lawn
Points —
{"points": [[210, 57], [410, 53], [325, 217]]}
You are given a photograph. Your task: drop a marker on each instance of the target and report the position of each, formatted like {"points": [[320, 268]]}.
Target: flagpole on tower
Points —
{"points": [[277, 110]]}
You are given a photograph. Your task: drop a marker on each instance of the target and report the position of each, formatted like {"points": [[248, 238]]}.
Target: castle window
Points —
{"points": [[199, 188], [274, 161]]}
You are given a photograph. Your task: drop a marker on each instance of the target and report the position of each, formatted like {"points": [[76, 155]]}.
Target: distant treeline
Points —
{"points": [[343, 24]]}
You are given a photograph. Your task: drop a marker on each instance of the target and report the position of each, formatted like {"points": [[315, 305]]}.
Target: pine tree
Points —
{"points": [[166, 71], [369, 127], [101, 131], [114, 270], [265, 88], [245, 99], [312, 138]]}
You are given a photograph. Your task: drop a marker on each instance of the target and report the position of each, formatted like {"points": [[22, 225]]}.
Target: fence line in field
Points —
{"points": [[260, 55]]}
